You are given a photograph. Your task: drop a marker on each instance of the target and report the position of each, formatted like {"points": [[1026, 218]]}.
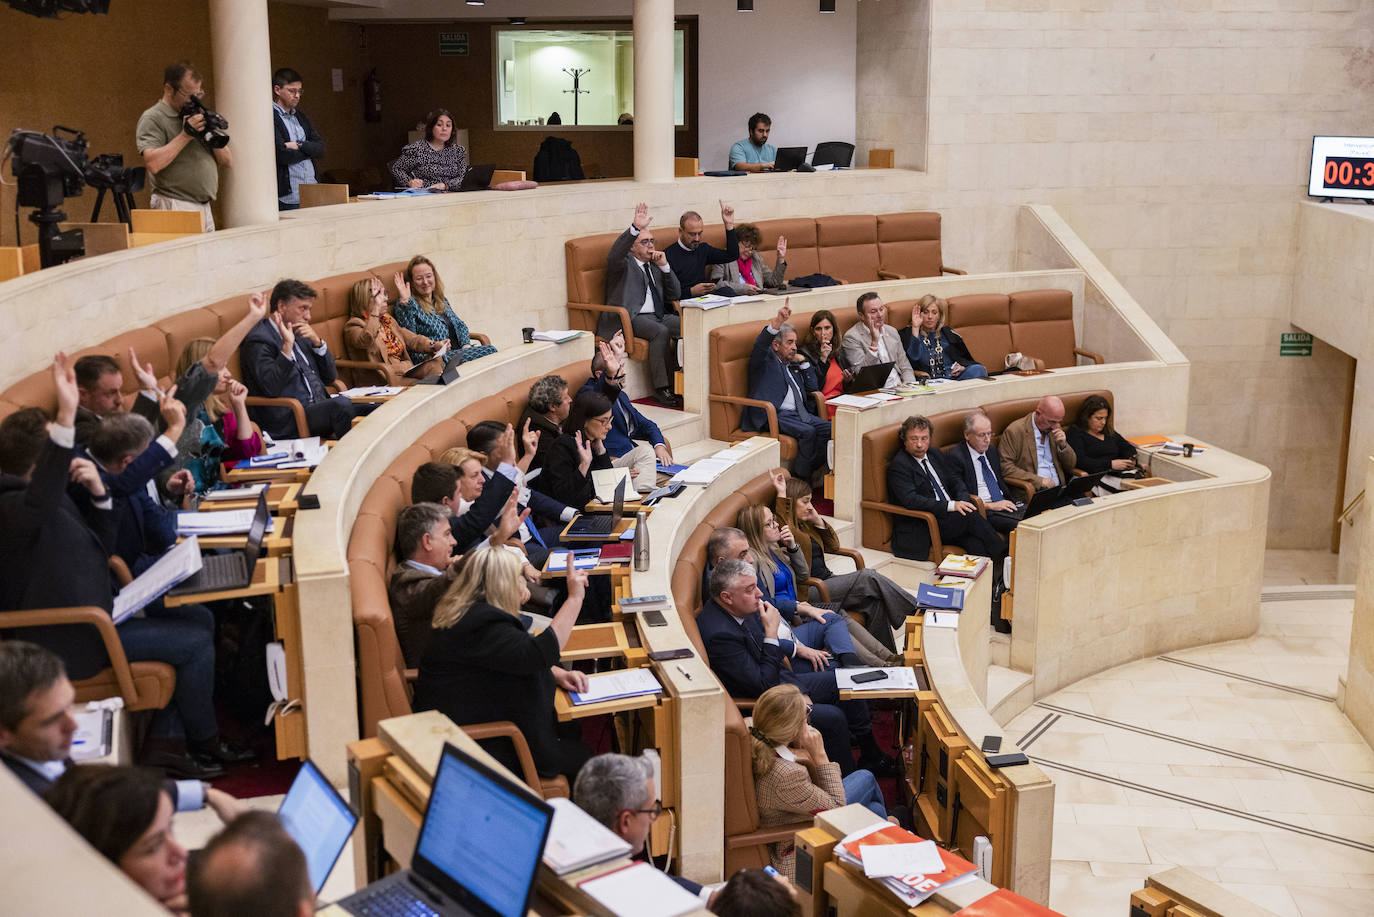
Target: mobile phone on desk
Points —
{"points": [[653, 618], [991, 745], [863, 677], [664, 655]]}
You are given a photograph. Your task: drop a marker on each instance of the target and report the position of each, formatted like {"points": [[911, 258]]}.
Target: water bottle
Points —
{"points": [[641, 541]]}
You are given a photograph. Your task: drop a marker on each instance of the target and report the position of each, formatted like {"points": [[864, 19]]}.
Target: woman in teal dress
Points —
{"points": [[421, 307]]}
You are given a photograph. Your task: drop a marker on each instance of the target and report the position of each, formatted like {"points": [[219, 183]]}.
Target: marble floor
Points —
{"points": [[1229, 759]]}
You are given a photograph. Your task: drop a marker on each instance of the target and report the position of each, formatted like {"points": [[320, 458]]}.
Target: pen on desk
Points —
{"points": [[685, 674], [934, 619]]}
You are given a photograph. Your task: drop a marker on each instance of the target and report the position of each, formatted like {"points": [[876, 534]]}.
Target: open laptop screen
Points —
{"points": [[318, 820], [482, 837]]}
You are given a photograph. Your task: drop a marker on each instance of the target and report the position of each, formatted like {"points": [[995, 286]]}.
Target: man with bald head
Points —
{"points": [[251, 867], [1034, 448], [775, 376], [691, 256]]}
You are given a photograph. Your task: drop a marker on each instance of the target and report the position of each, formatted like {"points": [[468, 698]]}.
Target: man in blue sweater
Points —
{"points": [[690, 256]]}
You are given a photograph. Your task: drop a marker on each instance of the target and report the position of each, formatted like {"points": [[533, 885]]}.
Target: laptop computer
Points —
{"points": [[477, 178], [789, 158], [318, 820], [870, 378], [1055, 497], [599, 525], [233, 570], [479, 849]]}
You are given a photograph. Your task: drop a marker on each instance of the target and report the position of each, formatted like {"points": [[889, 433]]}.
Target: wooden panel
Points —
{"points": [[321, 195], [881, 159], [31, 258], [177, 221], [685, 166], [291, 728], [100, 238], [11, 262], [500, 175]]}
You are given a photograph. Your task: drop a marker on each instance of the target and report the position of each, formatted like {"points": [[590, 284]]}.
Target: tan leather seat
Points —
{"points": [[729, 350], [848, 247], [1042, 327], [877, 448], [983, 320], [803, 256], [909, 246]]}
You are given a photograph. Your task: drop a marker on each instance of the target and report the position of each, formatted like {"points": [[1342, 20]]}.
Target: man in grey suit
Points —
{"points": [[873, 341], [639, 279]]}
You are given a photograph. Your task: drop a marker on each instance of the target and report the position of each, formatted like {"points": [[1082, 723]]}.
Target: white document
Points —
{"points": [[933, 618], [854, 401], [897, 679], [234, 493], [605, 481], [702, 472], [641, 891], [371, 390], [884, 396], [93, 732], [709, 301], [733, 454], [181, 562], [577, 840], [921, 859], [749, 297], [622, 683], [220, 522], [557, 335], [309, 450]]}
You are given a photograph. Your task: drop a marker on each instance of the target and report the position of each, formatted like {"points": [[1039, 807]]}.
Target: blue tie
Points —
{"points": [[934, 481], [534, 533], [990, 479]]}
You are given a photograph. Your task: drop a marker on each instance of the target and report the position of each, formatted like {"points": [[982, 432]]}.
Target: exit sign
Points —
{"points": [[453, 44], [1295, 344]]}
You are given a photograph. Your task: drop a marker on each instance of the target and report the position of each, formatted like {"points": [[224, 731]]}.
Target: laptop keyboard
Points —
{"points": [[222, 571], [394, 900], [594, 525]]}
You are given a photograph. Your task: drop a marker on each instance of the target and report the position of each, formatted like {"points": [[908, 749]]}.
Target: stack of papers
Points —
{"points": [[557, 335], [373, 391], [576, 840], [706, 470], [967, 565], [861, 402], [640, 890], [709, 301], [292, 453], [911, 887], [234, 493], [220, 522], [605, 481], [898, 679], [1172, 448], [624, 683], [583, 559], [182, 561]]}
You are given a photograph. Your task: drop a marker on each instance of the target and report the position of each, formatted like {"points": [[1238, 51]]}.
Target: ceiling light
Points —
{"points": [[517, 20], [744, 6], [827, 6], [477, 2]]}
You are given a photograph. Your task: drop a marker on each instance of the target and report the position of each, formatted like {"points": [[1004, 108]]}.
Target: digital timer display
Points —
{"points": [[1342, 167]]}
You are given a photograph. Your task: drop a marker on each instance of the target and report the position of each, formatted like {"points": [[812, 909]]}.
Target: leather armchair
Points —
{"points": [[503, 729]]}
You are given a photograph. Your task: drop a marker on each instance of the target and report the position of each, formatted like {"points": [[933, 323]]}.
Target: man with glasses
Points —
{"points": [[640, 280], [297, 140], [980, 466], [634, 441], [182, 171]]}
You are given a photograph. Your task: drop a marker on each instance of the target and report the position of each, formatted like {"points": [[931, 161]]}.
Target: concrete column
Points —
{"points": [[654, 90], [242, 92]]}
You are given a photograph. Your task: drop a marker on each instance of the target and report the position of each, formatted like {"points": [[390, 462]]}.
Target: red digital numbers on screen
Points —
{"points": [[1344, 172]]}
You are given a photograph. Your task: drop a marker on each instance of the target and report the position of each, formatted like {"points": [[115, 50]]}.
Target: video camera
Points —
{"points": [[215, 133]]}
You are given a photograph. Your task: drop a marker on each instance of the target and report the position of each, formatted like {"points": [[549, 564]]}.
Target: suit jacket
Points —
{"points": [[471, 527], [959, 457], [745, 665], [728, 273], [363, 341], [786, 794], [627, 423], [908, 486], [625, 284], [562, 480], [413, 594], [36, 781], [486, 667], [768, 382], [312, 147], [1019, 463], [270, 374], [857, 355], [548, 432], [53, 559], [541, 505]]}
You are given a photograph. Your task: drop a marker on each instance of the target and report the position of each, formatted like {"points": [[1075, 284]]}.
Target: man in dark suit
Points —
{"points": [[496, 441], [547, 407], [690, 256], [283, 357], [980, 466], [740, 633], [145, 528], [639, 279], [922, 478], [36, 722], [776, 376], [634, 441], [297, 141], [438, 482]]}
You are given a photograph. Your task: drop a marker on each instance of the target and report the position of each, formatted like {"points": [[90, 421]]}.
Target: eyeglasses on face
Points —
{"points": [[653, 813]]}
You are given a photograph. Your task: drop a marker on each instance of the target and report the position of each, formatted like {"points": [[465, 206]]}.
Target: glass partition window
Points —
{"points": [[587, 76]]}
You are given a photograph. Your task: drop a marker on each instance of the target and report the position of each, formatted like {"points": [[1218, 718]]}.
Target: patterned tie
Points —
{"points": [[797, 396], [990, 479], [305, 367], [653, 290], [934, 481]]}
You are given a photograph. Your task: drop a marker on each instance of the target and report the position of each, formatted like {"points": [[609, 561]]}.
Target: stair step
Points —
{"points": [[1009, 692]]}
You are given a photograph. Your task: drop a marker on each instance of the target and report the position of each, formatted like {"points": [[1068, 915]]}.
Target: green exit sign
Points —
{"points": [[453, 44], [1295, 344]]}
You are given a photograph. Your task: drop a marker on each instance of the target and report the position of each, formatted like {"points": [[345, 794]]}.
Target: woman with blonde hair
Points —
{"points": [[793, 777], [226, 433], [427, 311], [373, 335], [480, 665], [811, 625], [935, 349]]}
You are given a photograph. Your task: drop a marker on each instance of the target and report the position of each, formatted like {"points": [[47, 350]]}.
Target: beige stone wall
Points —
{"points": [[1174, 139], [1359, 676]]}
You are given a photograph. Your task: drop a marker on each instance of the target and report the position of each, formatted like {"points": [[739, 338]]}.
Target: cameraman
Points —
{"points": [[184, 172]]}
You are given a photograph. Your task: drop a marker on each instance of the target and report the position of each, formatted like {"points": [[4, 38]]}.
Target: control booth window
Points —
{"points": [[585, 75]]}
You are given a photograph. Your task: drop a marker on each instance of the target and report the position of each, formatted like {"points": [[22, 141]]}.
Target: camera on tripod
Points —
{"points": [[215, 133]]}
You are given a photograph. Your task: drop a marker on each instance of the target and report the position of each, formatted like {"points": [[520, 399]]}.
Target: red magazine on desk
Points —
{"points": [[914, 888], [618, 553], [1005, 903]]}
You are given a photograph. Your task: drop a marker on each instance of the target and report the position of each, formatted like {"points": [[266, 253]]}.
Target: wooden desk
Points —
{"points": [[275, 543], [568, 711], [248, 475], [138, 239], [269, 577], [281, 500]]}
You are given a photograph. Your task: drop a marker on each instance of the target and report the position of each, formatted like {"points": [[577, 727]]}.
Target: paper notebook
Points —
{"points": [[611, 685]]}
